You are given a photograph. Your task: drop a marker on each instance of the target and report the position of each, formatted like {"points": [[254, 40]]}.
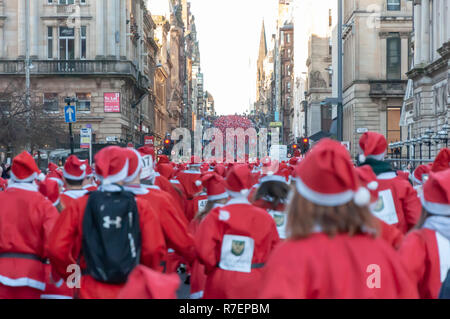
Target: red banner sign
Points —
{"points": [[112, 102], [149, 140]]}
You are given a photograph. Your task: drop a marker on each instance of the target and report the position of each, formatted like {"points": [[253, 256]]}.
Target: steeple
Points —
{"points": [[262, 43]]}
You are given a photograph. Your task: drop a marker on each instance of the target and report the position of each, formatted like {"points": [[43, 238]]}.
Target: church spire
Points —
{"points": [[263, 43]]}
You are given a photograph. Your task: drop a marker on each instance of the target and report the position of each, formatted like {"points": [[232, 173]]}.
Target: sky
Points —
{"points": [[229, 32]]}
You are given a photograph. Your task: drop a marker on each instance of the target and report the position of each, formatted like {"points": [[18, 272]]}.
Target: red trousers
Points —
{"points": [[7, 292]]}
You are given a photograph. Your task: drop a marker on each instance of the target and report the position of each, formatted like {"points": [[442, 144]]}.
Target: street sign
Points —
{"points": [[362, 130], [149, 140], [70, 114], [276, 124], [111, 138], [111, 102], [85, 138]]}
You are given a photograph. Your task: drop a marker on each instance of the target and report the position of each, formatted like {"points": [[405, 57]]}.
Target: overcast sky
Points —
{"points": [[229, 33]]}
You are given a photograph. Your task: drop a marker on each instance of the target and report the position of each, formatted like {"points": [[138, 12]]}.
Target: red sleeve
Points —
{"points": [[413, 255], [207, 241], [412, 207], [62, 241], [153, 243], [392, 235], [49, 217]]}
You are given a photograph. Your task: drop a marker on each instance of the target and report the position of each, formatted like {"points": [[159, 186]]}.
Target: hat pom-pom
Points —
{"points": [[244, 192], [41, 177], [83, 167], [372, 185], [362, 197], [362, 158], [198, 183]]}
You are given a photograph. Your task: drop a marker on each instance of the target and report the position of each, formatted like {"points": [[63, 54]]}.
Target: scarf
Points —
{"points": [[441, 224], [378, 166]]}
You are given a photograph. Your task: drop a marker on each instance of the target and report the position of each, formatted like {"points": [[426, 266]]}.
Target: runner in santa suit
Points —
{"points": [[389, 233], [190, 182], [89, 183], [398, 203], [271, 195], [175, 229], [419, 176], [332, 250], [74, 174], [217, 197], [234, 242], [26, 219], [426, 250], [111, 165], [442, 161]]}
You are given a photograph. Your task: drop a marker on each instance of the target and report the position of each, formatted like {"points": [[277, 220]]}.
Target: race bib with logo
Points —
{"points": [[202, 204], [384, 208], [280, 221], [237, 253], [147, 166]]}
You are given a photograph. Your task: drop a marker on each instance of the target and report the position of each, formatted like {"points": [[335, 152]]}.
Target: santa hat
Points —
{"points": [[442, 161], [50, 189], [52, 167], [3, 184], [134, 164], [421, 170], [149, 170], [145, 283], [239, 181], [24, 169], [89, 171], [436, 193], [220, 170], [57, 176], [163, 159], [147, 150], [214, 185], [373, 145], [190, 182], [282, 176], [293, 161], [111, 165], [327, 177], [403, 174], [74, 169], [368, 179], [165, 170]]}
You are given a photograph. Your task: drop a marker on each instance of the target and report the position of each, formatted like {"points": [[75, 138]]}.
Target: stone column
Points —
{"points": [[442, 21], [110, 33], [123, 29], [21, 41], [100, 26], [425, 34], [417, 34], [117, 30], [447, 23], [2, 39], [55, 42], [34, 29], [435, 31], [77, 36], [404, 57]]}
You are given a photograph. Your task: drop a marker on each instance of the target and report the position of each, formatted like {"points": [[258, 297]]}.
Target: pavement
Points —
{"points": [[184, 290]]}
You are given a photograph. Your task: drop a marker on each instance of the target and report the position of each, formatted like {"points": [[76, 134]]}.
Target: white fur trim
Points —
{"points": [[138, 168], [237, 194], [75, 193], [119, 177], [387, 175], [372, 185], [378, 157], [41, 177], [218, 197], [22, 282], [32, 187], [362, 197], [273, 178], [55, 297], [328, 200], [25, 180], [83, 167], [57, 202], [73, 177], [136, 190], [435, 208], [198, 183], [238, 200], [60, 182], [361, 158]]}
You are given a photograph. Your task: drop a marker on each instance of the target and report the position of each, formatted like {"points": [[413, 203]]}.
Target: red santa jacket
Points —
{"points": [[426, 254], [234, 242], [391, 234], [278, 214], [66, 242], [195, 205], [398, 203], [26, 220], [166, 186], [175, 228], [90, 188], [68, 197], [344, 267]]}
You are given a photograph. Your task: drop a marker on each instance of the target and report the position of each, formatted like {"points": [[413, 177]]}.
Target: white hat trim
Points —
{"points": [[74, 178], [329, 200], [273, 178], [32, 187], [119, 177], [238, 194], [60, 182], [218, 197], [29, 179], [435, 208], [138, 168]]}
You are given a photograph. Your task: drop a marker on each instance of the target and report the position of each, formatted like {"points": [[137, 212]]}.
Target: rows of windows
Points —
{"points": [[65, 1], [393, 5], [51, 102], [66, 43]]}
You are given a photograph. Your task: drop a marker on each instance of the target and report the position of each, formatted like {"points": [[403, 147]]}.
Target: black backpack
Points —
{"points": [[111, 236], [445, 289]]}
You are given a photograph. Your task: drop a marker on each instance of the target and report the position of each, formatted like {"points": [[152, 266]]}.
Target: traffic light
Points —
{"points": [[168, 145], [304, 145]]}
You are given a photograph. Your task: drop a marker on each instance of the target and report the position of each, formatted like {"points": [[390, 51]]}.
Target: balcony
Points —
{"points": [[45, 68], [387, 88]]}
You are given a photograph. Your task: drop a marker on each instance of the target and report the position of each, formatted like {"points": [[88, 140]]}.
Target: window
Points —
{"points": [[50, 42], [66, 1], [393, 5], [51, 102], [83, 42], [5, 103], [66, 43], [393, 128], [393, 58], [84, 102], [288, 38]]}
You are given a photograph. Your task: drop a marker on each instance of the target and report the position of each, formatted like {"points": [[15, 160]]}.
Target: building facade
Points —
{"points": [[427, 102], [97, 51], [376, 58]]}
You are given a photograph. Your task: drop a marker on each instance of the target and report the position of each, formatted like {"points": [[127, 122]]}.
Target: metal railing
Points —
{"points": [[407, 164]]}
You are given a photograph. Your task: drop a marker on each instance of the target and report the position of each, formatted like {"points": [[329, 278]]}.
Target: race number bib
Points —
{"points": [[237, 253], [202, 204], [280, 221], [147, 166], [384, 208]]}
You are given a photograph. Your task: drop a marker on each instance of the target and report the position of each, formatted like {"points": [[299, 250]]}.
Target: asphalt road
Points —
{"points": [[183, 291]]}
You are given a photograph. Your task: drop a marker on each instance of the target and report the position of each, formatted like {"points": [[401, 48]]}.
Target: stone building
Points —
{"points": [[376, 59], [318, 86], [427, 102], [286, 45], [98, 51]]}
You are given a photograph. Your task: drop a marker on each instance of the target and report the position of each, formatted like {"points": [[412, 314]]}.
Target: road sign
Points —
{"points": [[276, 124], [70, 114], [85, 138], [149, 140], [362, 130]]}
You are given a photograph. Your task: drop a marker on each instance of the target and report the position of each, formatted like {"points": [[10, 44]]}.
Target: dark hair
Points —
{"points": [[304, 216], [74, 183], [276, 191]]}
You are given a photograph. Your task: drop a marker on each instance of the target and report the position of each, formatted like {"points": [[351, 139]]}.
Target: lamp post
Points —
{"points": [[426, 138]]}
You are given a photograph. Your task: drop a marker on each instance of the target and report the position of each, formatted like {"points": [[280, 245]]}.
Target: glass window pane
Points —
{"points": [[71, 49], [50, 48], [62, 49]]}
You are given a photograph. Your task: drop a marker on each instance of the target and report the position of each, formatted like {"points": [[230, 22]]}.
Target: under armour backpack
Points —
{"points": [[111, 236]]}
